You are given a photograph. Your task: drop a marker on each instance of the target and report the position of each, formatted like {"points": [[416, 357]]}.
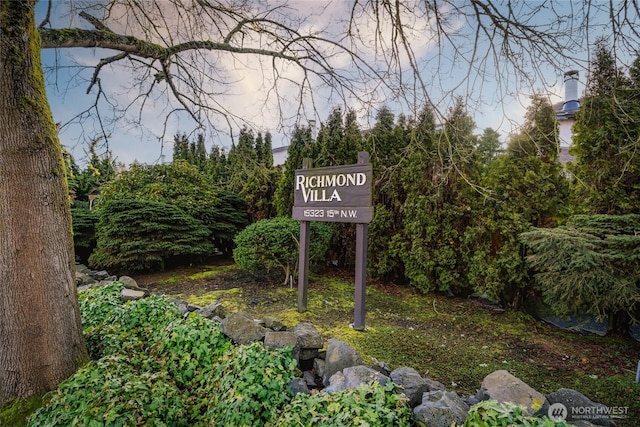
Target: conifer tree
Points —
{"points": [[607, 138], [488, 146], [438, 205], [299, 148], [241, 160], [526, 188], [386, 144], [267, 151], [181, 147], [338, 143]]}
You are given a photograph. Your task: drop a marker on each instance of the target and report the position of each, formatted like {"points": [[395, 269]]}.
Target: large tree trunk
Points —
{"points": [[41, 340]]}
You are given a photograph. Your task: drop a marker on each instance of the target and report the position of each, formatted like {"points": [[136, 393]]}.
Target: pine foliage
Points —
{"points": [[135, 235], [591, 265], [84, 231]]}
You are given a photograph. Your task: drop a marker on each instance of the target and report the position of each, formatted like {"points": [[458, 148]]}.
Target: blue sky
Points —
{"points": [[67, 94]]}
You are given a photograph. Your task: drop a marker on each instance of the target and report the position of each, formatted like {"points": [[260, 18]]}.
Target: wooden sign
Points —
{"points": [[335, 194]]}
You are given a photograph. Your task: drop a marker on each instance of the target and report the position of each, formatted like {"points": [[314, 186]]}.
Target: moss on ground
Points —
{"points": [[15, 413], [452, 340]]}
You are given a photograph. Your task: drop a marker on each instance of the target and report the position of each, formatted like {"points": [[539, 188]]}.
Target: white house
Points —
{"points": [[566, 113]]}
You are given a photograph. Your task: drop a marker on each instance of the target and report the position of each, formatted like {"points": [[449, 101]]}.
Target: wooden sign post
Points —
{"points": [[335, 194]]}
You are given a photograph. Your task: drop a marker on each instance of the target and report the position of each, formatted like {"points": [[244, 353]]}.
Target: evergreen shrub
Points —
{"points": [[135, 235], [84, 231], [274, 244]]}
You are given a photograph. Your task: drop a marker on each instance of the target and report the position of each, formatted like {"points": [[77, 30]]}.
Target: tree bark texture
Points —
{"points": [[41, 341]]}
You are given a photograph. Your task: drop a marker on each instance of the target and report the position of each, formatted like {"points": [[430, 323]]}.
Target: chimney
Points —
{"points": [[571, 102]]}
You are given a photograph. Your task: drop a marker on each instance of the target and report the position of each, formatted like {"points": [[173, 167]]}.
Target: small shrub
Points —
{"points": [[251, 384], [371, 405], [274, 244], [490, 413]]}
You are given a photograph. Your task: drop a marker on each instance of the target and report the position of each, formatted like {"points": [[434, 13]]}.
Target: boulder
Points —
{"points": [[580, 408], [215, 309], [433, 385], [441, 408], [340, 355], [335, 383], [132, 294], [281, 339], [381, 367], [298, 385], [319, 367], [128, 282], [309, 336], [273, 323], [84, 280], [242, 329], [360, 374], [352, 377], [504, 387], [413, 385]]}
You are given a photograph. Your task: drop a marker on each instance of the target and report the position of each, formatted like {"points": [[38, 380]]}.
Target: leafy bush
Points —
{"points": [[371, 405], [251, 384], [114, 327], [111, 392], [153, 367], [144, 235], [190, 348], [274, 243], [490, 413]]}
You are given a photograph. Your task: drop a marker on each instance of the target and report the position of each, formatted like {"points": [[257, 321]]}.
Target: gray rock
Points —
{"points": [[100, 275], [433, 385], [413, 385], [297, 385], [212, 310], [281, 339], [182, 306], [360, 374], [84, 280], [335, 383], [273, 323], [581, 408], [441, 409], [309, 353], [132, 294], [340, 355], [242, 329], [81, 268], [309, 336], [128, 282], [504, 387], [319, 367], [381, 367], [309, 379]]}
